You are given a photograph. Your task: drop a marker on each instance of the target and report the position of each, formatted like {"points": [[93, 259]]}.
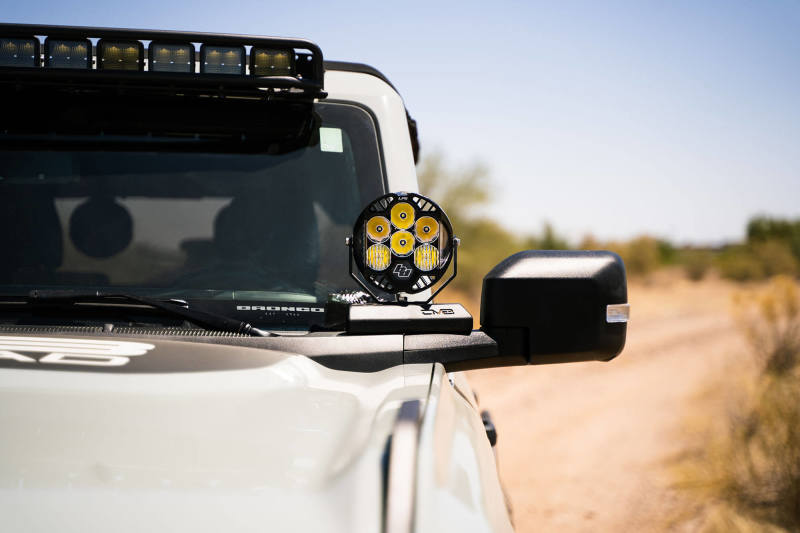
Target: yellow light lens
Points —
{"points": [[378, 229], [402, 243], [378, 257], [426, 257], [427, 229], [402, 215]]}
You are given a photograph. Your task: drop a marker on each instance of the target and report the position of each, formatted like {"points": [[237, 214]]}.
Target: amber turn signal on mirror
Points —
{"points": [[402, 243]]}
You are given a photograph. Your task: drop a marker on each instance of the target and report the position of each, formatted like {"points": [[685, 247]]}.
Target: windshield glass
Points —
{"points": [[228, 218]]}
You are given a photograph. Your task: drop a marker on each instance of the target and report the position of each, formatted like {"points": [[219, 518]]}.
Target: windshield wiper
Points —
{"points": [[176, 308]]}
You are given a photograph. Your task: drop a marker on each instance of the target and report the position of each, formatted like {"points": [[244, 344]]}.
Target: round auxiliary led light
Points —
{"points": [[402, 243]]}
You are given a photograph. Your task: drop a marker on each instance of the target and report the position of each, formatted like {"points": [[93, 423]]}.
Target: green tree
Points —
{"points": [[548, 240], [458, 190], [762, 229], [462, 192]]}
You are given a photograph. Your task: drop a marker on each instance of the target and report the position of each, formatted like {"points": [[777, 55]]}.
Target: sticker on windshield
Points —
{"points": [[330, 140]]}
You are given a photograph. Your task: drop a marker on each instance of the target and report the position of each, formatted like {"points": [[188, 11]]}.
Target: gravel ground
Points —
{"points": [[585, 446]]}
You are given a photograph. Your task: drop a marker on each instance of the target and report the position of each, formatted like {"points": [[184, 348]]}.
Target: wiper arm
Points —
{"points": [[175, 308]]}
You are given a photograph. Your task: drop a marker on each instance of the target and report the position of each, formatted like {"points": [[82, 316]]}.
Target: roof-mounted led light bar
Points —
{"points": [[228, 63]]}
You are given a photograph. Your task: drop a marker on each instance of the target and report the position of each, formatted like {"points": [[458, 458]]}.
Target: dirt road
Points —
{"points": [[583, 447]]}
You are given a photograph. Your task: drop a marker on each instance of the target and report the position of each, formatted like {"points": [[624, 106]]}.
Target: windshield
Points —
{"points": [[244, 210]]}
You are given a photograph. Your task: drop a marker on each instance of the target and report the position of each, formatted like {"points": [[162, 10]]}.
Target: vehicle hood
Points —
{"points": [[226, 439]]}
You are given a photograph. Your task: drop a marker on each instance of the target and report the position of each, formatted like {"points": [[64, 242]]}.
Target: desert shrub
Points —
{"points": [[589, 242], [757, 260], [484, 243], [696, 263], [776, 257], [748, 474], [739, 264], [667, 253], [771, 322], [641, 254]]}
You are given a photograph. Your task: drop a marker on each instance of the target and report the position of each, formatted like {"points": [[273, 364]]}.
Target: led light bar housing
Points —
{"points": [[276, 67], [170, 57], [222, 60], [22, 51], [266, 62], [67, 53], [120, 55]]}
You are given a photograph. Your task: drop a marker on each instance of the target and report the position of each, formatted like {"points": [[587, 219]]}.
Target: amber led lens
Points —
{"points": [[378, 257], [402, 243], [426, 228], [426, 257], [222, 59], [67, 54], [402, 215], [266, 62], [171, 57], [19, 52], [121, 55], [378, 229]]}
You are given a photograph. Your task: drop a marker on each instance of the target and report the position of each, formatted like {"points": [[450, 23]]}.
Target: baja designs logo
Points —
{"points": [[401, 271], [70, 351]]}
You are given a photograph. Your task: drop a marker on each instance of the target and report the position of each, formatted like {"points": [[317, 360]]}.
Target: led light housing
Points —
{"points": [[270, 62], [165, 57], [222, 59], [402, 243], [64, 53], [16, 52], [120, 55]]}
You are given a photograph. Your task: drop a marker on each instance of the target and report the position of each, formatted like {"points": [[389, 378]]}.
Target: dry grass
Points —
{"points": [[743, 471]]}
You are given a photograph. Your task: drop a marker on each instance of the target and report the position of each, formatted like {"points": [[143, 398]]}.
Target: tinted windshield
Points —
{"points": [[205, 212]]}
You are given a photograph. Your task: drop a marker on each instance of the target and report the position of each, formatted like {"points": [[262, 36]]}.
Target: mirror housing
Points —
{"points": [[556, 307]]}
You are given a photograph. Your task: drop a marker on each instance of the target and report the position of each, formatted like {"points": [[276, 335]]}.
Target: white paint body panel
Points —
{"points": [[387, 107], [457, 484], [289, 446]]}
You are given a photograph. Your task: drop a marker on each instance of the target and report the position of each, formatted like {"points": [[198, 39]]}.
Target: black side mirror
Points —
{"points": [[556, 307]]}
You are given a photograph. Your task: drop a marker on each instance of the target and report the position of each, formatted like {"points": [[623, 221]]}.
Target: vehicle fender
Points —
{"points": [[457, 487]]}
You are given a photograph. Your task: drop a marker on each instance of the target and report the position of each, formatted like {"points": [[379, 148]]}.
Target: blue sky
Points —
{"points": [[678, 119]]}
